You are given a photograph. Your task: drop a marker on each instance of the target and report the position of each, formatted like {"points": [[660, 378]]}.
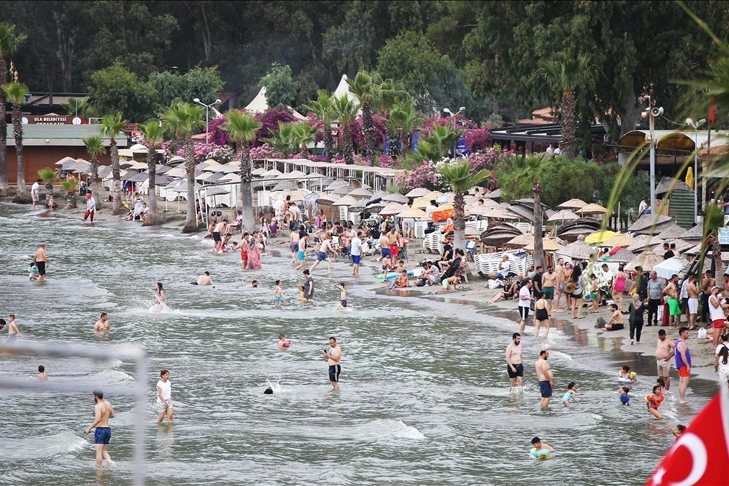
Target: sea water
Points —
{"points": [[424, 394]]}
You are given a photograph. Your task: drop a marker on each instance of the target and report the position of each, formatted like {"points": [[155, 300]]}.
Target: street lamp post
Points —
{"points": [[207, 115], [695, 126], [453, 116]]}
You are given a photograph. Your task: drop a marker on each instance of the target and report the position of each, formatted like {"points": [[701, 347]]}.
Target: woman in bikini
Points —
{"points": [[542, 310]]}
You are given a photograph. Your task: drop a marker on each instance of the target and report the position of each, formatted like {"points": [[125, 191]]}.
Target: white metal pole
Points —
{"points": [[652, 165], [207, 123], [696, 172]]}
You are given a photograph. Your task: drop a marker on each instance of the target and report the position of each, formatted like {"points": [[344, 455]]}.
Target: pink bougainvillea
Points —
{"points": [[269, 123], [216, 133], [478, 138]]}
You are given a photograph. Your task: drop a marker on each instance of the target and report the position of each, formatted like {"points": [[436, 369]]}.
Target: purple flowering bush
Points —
{"points": [[269, 123], [263, 152], [217, 135]]}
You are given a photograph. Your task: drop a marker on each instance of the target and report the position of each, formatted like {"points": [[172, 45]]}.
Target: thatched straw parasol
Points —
{"points": [[592, 209], [622, 256], [579, 250], [419, 192], [671, 231], [694, 234], [520, 241], [392, 209], [618, 240], [641, 242], [572, 204], [411, 213], [649, 223], [398, 198], [345, 201], [563, 215], [548, 244], [361, 193], [499, 233], [669, 184], [645, 260]]}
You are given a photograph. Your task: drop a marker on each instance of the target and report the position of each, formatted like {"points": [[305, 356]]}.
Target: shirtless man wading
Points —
{"points": [[103, 411], [514, 364], [545, 377], [321, 254], [693, 301], [665, 350], [103, 323], [41, 261], [549, 282]]}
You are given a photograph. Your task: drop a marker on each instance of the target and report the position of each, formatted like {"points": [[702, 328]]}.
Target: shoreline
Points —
{"points": [[472, 294]]}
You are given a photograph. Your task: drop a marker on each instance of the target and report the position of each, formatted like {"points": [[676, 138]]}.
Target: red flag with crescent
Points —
{"points": [[712, 112], [701, 454]]}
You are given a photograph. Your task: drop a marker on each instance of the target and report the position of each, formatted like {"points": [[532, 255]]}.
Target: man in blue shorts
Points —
{"points": [[385, 251], [103, 411], [545, 377], [356, 253]]}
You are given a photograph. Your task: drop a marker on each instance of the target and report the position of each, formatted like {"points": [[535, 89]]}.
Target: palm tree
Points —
{"points": [[531, 168], [346, 111], [110, 127], [303, 135], [242, 128], [153, 136], [184, 119], [48, 176], [94, 147], [16, 94], [81, 107], [713, 221], [459, 177], [364, 86], [323, 108], [9, 43], [69, 186], [566, 74], [283, 141], [443, 138], [402, 122]]}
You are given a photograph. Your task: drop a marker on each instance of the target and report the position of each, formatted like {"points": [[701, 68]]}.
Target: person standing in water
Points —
{"points": [[103, 323], [665, 349], [277, 295], [164, 397], [342, 297], [514, 363], [334, 356], [159, 296], [103, 411], [683, 363], [13, 332], [545, 378], [41, 261], [90, 207]]}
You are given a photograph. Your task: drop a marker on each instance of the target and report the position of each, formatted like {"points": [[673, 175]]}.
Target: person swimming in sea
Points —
{"points": [[282, 342]]}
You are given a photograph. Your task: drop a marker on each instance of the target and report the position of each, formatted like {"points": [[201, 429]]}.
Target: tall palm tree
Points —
{"points": [[461, 179], [48, 176], [323, 108], [346, 111], [184, 119], [303, 135], [283, 141], [566, 74], [531, 168], [402, 122], [69, 186], [365, 87], [242, 128], [9, 43], [154, 134], [94, 147], [16, 92], [110, 127], [713, 221]]}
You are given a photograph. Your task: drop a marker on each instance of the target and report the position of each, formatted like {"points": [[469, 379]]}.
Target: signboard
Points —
{"points": [[724, 236], [50, 119]]}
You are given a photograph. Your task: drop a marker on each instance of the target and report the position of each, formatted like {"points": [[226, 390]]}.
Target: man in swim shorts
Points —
{"points": [[545, 378], [355, 251], [204, 279], [13, 332], [693, 300], [664, 353], [549, 282], [385, 251], [539, 445], [671, 293], [41, 261], [103, 411], [514, 363], [103, 323], [334, 356]]}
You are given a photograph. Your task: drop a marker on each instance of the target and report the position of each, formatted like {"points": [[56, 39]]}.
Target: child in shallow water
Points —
{"points": [[570, 395], [624, 397], [33, 271]]}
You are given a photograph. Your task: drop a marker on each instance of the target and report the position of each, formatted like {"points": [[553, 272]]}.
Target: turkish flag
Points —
{"points": [[700, 456], [712, 111]]}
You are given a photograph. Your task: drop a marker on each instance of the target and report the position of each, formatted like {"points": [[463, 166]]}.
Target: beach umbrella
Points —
{"points": [[336, 183], [548, 244], [617, 240], [445, 198], [421, 203], [162, 169], [411, 213], [283, 185], [500, 212], [499, 233], [230, 179], [646, 260], [176, 160], [294, 174], [327, 198], [649, 223], [671, 231], [622, 256], [342, 190], [479, 210], [271, 173], [419, 192], [579, 250], [215, 191], [140, 177], [230, 168], [65, 160], [520, 241], [599, 237], [258, 172], [694, 234], [345, 201], [361, 203], [361, 193], [593, 209], [177, 172], [138, 166], [433, 195], [104, 170], [392, 208], [379, 195], [573, 204], [563, 215], [643, 241], [395, 197], [494, 194]]}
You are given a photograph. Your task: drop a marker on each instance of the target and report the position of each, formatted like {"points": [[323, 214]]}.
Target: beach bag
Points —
{"points": [[659, 313], [570, 287], [702, 333]]}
